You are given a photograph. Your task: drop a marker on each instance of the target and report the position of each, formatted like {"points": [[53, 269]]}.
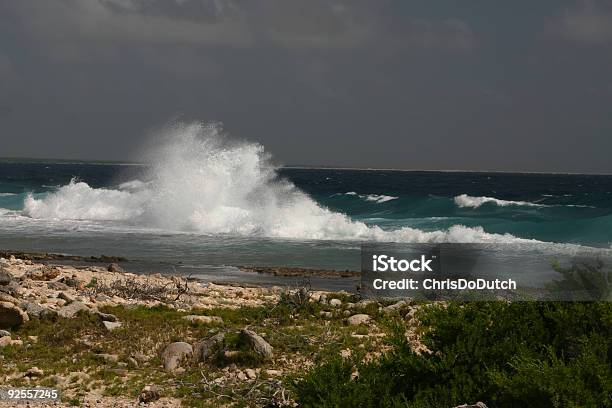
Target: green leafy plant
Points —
{"points": [[506, 354]]}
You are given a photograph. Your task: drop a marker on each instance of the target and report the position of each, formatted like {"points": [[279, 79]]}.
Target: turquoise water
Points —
{"points": [[211, 212]]}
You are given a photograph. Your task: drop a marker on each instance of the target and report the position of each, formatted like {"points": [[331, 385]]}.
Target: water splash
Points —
{"points": [[201, 181]]}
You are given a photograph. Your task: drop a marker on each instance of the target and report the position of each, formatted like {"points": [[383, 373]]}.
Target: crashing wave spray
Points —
{"points": [[201, 182], [465, 200]]}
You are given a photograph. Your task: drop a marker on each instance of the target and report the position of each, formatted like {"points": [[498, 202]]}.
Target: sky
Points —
{"points": [[453, 85]]}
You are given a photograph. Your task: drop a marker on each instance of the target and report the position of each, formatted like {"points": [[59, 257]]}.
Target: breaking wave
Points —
{"points": [[377, 198], [465, 200], [199, 181]]}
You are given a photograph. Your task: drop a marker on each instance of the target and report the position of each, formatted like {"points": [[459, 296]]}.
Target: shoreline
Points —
{"points": [[162, 341], [282, 271], [123, 329]]}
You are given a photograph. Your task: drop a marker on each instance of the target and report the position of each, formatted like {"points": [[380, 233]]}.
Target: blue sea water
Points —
{"points": [[215, 211]]}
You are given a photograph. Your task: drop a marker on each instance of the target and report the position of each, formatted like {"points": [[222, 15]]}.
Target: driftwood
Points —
{"points": [[131, 288]]}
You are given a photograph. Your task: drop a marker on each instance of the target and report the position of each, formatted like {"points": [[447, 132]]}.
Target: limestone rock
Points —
{"points": [[101, 297], [34, 372], [11, 289], [57, 286], [203, 349], [335, 302], [358, 319], [5, 341], [44, 273], [5, 297], [140, 357], [114, 268], [411, 315], [11, 315], [394, 307], [107, 317], [110, 326], [73, 281], [149, 393], [5, 277], [66, 297], [250, 373], [32, 309], [257, 342], [175, 353], [72, 309]]}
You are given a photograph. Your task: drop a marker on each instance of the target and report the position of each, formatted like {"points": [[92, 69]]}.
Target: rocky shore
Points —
{"points": [[107, 337], [300, 272]]}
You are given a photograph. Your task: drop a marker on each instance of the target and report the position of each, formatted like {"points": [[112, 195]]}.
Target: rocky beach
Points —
{"points": [[103, 336], [107, 337]]}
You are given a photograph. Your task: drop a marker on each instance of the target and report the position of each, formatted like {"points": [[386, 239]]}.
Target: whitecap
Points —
{"points": [[465, 200], [200, 182]]}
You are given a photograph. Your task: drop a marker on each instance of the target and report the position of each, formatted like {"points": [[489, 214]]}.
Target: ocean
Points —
{"points": [[202, 202]]}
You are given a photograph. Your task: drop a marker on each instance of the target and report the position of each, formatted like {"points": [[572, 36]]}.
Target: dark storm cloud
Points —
{"points": [[346, 83], [588, 22]]}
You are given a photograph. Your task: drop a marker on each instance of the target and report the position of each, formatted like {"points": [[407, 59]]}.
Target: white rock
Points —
{"points": [[358, 319], [5, 341], [175, 353], [335, 302], [250, 373], [110, 326], [394, 307], [34, 372], [257, 342]]}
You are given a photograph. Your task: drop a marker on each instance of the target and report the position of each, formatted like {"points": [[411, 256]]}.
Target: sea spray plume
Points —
{"points": [[200, 181], [205, 182]]}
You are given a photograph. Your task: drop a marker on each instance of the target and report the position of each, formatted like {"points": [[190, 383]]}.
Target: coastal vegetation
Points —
{"points": [[524, 354], [102, 344]]}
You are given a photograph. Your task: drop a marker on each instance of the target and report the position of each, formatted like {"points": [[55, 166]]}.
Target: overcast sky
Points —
{"points": [[515, 85]]}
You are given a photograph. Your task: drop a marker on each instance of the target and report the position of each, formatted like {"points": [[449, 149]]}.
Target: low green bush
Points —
{"points": [[504, 354]]}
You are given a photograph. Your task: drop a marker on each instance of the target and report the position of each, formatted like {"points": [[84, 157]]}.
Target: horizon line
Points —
{"points": [[298, 166]]}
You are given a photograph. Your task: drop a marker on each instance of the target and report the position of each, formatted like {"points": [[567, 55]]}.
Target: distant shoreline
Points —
{"points": [[26, 160], [283, 271]]}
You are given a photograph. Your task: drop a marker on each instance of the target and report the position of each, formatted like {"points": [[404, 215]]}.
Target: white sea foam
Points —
{"points": [[372, 197], [465, 200], [201, 182], [78, 201], [133, 185], [379, 198], [7, 194]]}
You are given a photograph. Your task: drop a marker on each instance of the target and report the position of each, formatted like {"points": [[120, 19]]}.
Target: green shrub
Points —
{"points": [[582, 281], [505, 354]]}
